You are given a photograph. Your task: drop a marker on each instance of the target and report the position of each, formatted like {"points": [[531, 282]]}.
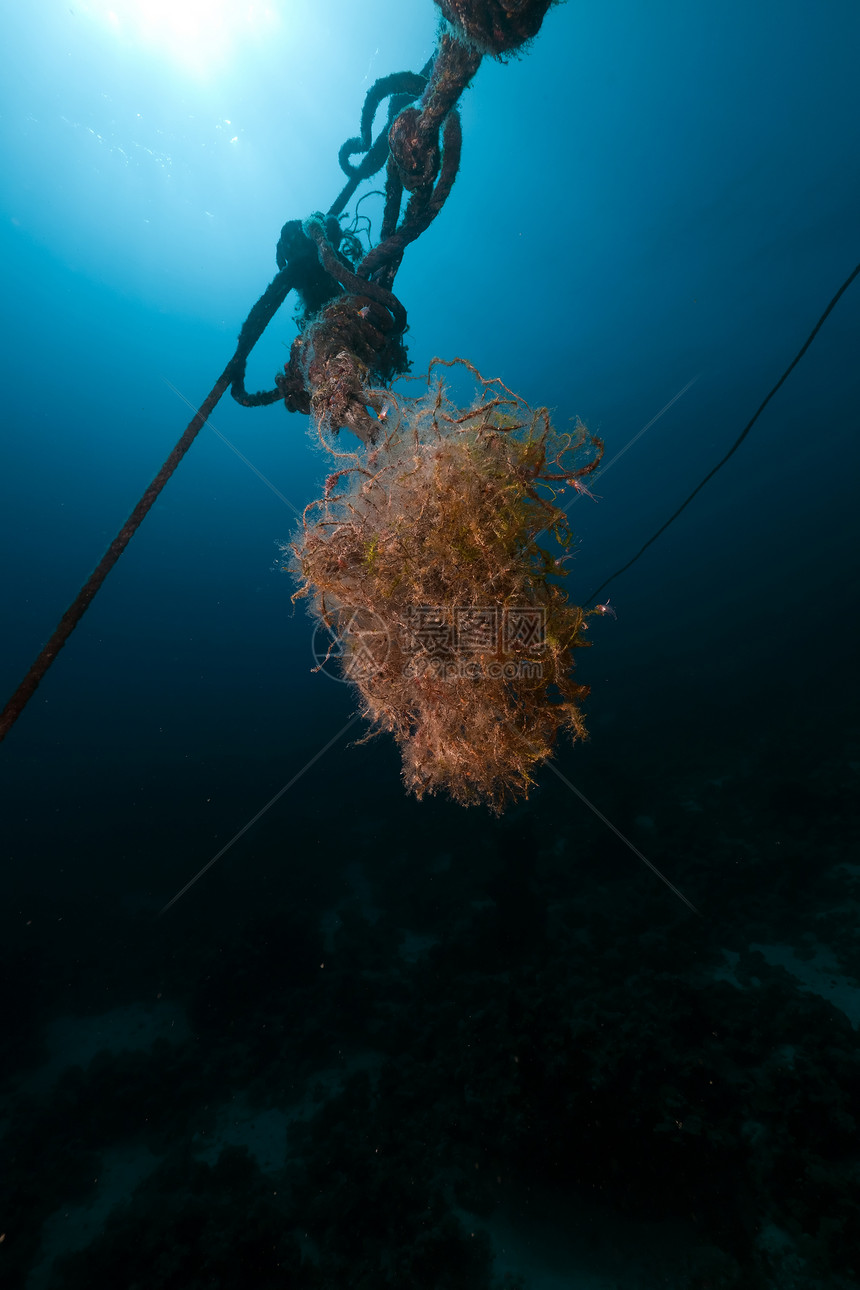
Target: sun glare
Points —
{"points": [[200, 36]]}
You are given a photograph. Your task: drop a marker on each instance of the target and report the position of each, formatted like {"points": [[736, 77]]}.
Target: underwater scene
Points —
{"points": [[430, 761]]}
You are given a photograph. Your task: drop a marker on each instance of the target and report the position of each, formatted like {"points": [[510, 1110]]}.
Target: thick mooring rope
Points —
{"points": [[421, 145], [87, 593], [417, 163]]}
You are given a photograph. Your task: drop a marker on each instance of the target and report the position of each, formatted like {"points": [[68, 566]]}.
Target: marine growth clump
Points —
{"points": [[427, 562]]}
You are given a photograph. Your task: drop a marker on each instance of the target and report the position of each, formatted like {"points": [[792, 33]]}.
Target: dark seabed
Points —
{"points": [[384, 1043]]}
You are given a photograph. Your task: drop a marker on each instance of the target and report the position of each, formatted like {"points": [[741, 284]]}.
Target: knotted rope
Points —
{"points": [[352, 321]]}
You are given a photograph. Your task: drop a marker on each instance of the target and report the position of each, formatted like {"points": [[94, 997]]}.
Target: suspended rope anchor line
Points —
{"points": [[439, 86], [737, 443], [87, 593], [255, 324], [352, 323]]}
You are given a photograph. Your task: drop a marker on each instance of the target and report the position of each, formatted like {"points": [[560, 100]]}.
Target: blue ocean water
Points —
{"points": [[390, 1043]]}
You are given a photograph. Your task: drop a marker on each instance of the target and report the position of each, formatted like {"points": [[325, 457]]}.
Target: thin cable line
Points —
{"points": [[737, 443], [577, 497]]}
